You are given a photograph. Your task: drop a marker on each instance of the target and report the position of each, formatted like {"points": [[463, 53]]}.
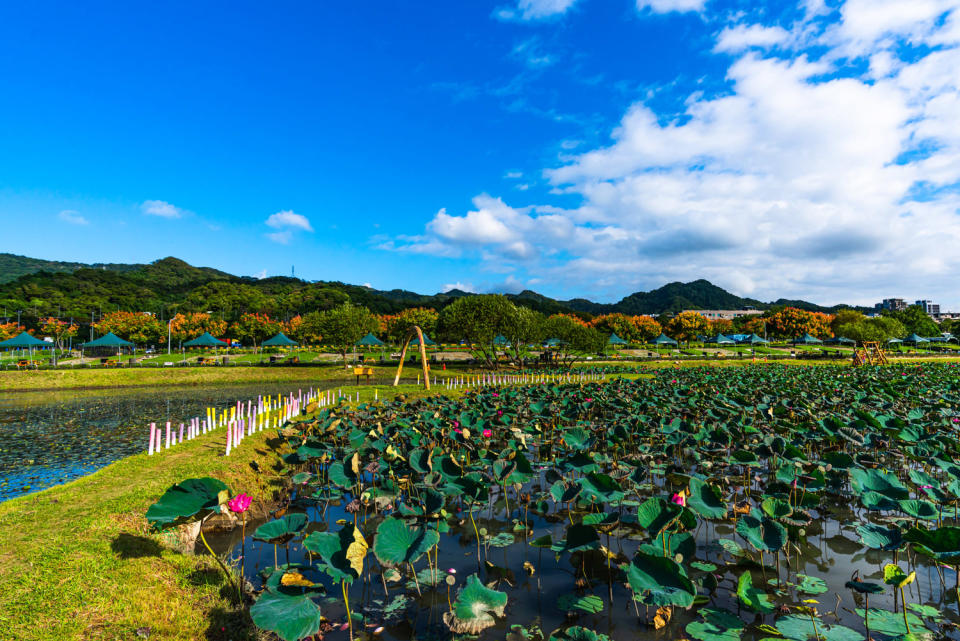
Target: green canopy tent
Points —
{"points": [[426, 341], [499, 340], [553, 342], [24, 340], [663, 339], [807, 339], [107, 340], [753, 339], [205, 340], [280, 340], [720, 339], [371, 341], [840, 340], [915, 339], [615, 340]]}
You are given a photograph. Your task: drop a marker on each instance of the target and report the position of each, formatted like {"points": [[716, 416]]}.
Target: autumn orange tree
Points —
{"points": [[791, 322], [9, 330], [58, 329], [619, 324], [255, 328], [137, 327], [184, 327], [685, 326], [647, 327], [294, 328], [721, 326]]}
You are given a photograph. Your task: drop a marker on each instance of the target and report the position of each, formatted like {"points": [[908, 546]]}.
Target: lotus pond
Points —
{"points": [[769, 502], [48, 438]]}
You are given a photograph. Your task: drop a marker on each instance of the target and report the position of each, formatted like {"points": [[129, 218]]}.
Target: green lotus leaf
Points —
{"points": [[880, 538], [186, 501], [811, 584], [888, 622], [717, 625], [754, 599], [576, 633], [279, 531], [590, 603], [706, 500], [776, 508], [475, 608], [600, 487], [942, 544], [919, 509], [342, 552], [655, 514], [396, 542], [288, 612], [801, 628], [876, 501], [579, 538], [865, 587], [764, 534], [878, 481], [657, 580]]}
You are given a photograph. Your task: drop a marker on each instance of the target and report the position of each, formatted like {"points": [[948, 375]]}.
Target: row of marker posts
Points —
{"points": [[244, 419]]}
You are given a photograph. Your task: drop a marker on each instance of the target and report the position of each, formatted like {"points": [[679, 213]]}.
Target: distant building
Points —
{"points": [[725, 314], [929, 307], [892, 304]]}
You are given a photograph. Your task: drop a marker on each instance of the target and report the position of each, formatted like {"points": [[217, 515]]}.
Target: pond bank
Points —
{"points": [[77, 561]]}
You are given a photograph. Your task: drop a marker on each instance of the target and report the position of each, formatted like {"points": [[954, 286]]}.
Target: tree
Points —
{"points": [[576, 338], [647, 328], [791, 322], [845, 317], [58, 329], [721, 326], [915, 321], [685, 326], [137, 327], [344, 325], [878, 329], [399, 324], [185, 327], [9, 330], [478, 320], [294, 328], [619, 324], [255, 328], [523, 328]]}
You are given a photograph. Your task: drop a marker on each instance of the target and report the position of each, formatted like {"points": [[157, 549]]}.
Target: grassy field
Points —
{"points": [[78, 561]]}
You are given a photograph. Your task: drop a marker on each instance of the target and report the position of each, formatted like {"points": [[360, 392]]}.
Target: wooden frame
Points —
{"points": [[423, 356]]}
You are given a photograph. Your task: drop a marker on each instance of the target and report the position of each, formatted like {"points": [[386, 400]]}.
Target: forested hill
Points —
{"points": [[13, 266], [170, 285]]}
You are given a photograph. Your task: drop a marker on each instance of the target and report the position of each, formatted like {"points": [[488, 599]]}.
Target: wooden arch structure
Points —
{"points": [[871, 353], [415, 330]]}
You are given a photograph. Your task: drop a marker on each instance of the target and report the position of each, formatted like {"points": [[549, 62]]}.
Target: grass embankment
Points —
{"points": [[78, 561], [134, 377]]}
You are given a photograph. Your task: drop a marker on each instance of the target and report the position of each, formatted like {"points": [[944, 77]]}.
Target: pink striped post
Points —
{"points": [[153, 427], [168, 435], [229, 431], [180, 440]]}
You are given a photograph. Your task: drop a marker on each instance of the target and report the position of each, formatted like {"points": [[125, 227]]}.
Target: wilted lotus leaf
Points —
{"points": [[475, 608]]}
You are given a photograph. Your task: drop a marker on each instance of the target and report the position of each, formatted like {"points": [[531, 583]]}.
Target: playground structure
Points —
{"points": [[869, 353], [423, 356]]}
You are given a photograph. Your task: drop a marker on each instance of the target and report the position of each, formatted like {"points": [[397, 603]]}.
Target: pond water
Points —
{"points": [[48, 438]]}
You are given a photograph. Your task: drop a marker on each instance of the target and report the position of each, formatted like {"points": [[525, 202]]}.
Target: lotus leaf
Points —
{"points": [[475, 608], [396, 542]]}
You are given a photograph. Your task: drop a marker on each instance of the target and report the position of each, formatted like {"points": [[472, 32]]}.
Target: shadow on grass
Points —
{"points": [[129, 546], [231, 625]]}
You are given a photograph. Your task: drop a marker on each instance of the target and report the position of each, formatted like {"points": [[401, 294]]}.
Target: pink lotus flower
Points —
{"points": [[487, 433], [679, 499], [499, 412], [588, 400], [240, 503], [495, 395]]}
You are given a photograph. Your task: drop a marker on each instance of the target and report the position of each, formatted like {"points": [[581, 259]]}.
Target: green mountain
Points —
{"points": [[13, 266], [170, 285]]}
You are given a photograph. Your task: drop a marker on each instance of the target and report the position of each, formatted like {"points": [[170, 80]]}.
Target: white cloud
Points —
{"points": [[740, 37], [667, 6], [513, 175], [261, 274], [72, 217], [803, 179], [530, 52], [534, 9], [162, 209], [287, 219]]}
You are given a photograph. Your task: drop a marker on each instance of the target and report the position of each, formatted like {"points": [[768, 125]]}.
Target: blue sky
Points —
{"points": [[576, 147]]}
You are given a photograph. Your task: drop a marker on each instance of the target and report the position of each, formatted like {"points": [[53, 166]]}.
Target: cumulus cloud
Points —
{"points": [[829, 169], [668, 6], [463, 287], [72, 217], [161, 208], [534, 9], [287, 219], [280, 237]]}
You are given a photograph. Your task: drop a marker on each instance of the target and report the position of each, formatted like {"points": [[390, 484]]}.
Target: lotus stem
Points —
{"points": [[416, 582], [219, 562], [903, 600], [346, 602], [477, 534]]}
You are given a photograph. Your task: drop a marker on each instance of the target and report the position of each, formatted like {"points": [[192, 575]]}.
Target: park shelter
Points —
{"points": [[663, 339], [205, 340], [280, 340], [499, 340], [107, 341], [807, 339], [894, 340], [426, 341], [753, 339], [24, 341], [720, 339], [913, 338], [615, 340], [370, 341], [553, 342], [840, 340]]}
